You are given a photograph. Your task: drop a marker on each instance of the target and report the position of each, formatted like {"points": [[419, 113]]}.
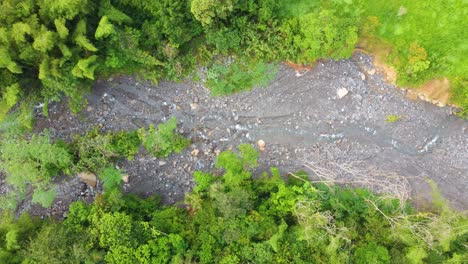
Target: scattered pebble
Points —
{"points": [[342, 92], [195, 152]]}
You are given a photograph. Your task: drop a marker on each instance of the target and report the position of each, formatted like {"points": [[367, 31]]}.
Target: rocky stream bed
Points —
{"points": [[331, 119]]}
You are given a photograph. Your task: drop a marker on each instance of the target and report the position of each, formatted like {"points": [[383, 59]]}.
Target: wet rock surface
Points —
{"points": [[298, 119]]}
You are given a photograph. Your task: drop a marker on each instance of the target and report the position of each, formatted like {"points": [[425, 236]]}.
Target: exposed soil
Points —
{"points": [[436, 91], [300, 118]]}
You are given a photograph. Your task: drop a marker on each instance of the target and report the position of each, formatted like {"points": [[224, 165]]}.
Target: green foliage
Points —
{"points": [[251, 220], [460, 95], [62, 30], [44, 40], [85, 68], [371, 253], [392, 118], [126, 144], [239, 76], [104, 29], [9, 99], [322, 35], [163, 141], [426, 40], [43, 197], [56, 47], [33, 163], [111, 178], [14, 235], [94, 150], [206, 11]]}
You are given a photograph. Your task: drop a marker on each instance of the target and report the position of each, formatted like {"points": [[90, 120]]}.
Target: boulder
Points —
{"points": [[261, 145], [89, 178], [125, 178]]}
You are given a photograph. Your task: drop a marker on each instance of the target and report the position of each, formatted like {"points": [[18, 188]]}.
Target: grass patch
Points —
{"points": [[392, 118]]}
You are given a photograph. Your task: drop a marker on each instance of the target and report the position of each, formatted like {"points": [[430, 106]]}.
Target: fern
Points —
{"points": [[67, 9], [65, 50], [85, 68], [145, 58], [62, 30], [84, 42], [4, 39], [19, 30], [44, 69], [80, 28], [115, 15], [44, 41], [111, 178], [7, 62], [11, 94], [104, 29]]}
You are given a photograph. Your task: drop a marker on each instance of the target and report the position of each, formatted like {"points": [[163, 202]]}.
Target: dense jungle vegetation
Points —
{"points": [[232, 218], [55, 49], [50, 49]]}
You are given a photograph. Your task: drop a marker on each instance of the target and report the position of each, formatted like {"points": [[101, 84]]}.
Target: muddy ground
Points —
{"points": [[301, 119]]}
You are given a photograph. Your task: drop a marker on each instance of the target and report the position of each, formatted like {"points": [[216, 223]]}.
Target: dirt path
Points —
{"points": [[301, 119]]}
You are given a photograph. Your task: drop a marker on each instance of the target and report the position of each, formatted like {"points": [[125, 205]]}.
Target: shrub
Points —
{"points": [[392, 118], [322, 35], [126, 144], [111, 178], [234, 217], [239, 76], [94, 151], [163, 141], [33, 162]]}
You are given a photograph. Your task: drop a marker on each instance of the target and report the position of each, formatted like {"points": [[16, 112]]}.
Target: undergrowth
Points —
{"points": [[232, 217], [239, 76], [164, 140], [53, 50], [31, 164]]}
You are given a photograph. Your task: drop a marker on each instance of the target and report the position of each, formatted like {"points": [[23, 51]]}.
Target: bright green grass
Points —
{"points": [[440, 27], [429, 40]]}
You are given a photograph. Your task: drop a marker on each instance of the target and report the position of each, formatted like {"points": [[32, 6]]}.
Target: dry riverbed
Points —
{"points": [[331, 119]]}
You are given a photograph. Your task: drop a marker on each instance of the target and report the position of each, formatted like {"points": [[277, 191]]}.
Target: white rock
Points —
{"points": [[261, 144], [194, 106], [371, 72], [195, 152], [125, 178], [342, 92], [162, 163], [363, 77]]}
